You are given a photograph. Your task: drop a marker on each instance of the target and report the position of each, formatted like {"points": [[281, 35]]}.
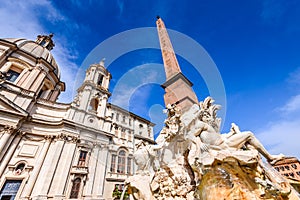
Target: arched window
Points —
{"points": [[121, 162], [75, 188], [94, 104], [20, 167]]}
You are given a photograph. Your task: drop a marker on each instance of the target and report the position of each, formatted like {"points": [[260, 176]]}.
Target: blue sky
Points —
{"points": [[254, 44]]}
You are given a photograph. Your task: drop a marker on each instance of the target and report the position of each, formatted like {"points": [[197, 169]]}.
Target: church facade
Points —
{"points": [[51, 150]]}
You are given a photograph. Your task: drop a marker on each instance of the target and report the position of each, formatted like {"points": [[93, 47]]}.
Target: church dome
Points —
{"points": [[39, 49]]}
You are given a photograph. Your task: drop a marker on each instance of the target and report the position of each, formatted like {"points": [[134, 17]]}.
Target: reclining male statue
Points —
{"points": [[206, 129]]}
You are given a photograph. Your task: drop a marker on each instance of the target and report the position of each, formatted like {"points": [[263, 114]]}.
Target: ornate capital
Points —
{"points": [[8, 129], [49, 137]]}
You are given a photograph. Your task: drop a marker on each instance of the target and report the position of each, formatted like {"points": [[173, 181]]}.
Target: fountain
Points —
{"points": [[192, 160]]}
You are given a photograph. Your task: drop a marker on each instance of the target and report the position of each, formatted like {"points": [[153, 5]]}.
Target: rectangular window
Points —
{"points": [[123, 133], [113, 163], [82, 158], [121, 162], [10, 189], [129, 136], [75, 188], [12, 75], [100, 79], [129, 122], [121, 165], [117, 116], [141, 129], [124, 119], [129, 160], [149, 132]]}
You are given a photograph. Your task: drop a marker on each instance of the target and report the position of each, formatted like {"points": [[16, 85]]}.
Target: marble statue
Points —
{"points": [[192, 160], [206, 128]]}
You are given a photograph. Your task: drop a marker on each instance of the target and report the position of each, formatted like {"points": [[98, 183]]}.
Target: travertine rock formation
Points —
{"points": [[192, 161]]}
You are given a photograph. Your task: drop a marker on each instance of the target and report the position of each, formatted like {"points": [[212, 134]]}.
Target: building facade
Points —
{"points": [[51, 150], [289, 168]]}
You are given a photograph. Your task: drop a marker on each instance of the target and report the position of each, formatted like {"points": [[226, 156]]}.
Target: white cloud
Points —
{"points": [[294, 79], [18, 20], [292, 105], [64, 57], [282, 137], [21, 19]]}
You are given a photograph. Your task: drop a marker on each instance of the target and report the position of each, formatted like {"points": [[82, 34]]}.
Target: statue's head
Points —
{"points": [[208, 113], [205, 116], [173, 124]]}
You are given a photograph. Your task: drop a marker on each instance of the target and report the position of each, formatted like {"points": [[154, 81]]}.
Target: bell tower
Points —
{"points": [[93, 94], [178, 88]]}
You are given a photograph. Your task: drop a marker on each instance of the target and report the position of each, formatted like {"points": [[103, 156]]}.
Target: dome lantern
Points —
{"points": [[45, 41]]}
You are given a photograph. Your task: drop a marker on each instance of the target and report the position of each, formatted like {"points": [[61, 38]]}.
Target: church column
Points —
{"points": [[6, 134], [37, 83], [35, 77], [102, 106], [65, 163], [37, 167], [92, 169], [44, 179], [85, 98], [23, 76], [31, 78], [108, 120], [100, 172], [55, 93], [11, 150]]}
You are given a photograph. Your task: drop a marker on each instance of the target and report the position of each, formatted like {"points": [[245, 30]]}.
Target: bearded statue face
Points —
{"points": [[210, 120], [206, 117], [174, 128], [173, 125]]}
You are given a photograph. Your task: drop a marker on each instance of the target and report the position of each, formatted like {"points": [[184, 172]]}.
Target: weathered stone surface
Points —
{"points": [[228, 179], [193, 161]]}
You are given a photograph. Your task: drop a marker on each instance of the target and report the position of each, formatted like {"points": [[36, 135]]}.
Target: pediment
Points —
{"points": [[8, 106]]}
